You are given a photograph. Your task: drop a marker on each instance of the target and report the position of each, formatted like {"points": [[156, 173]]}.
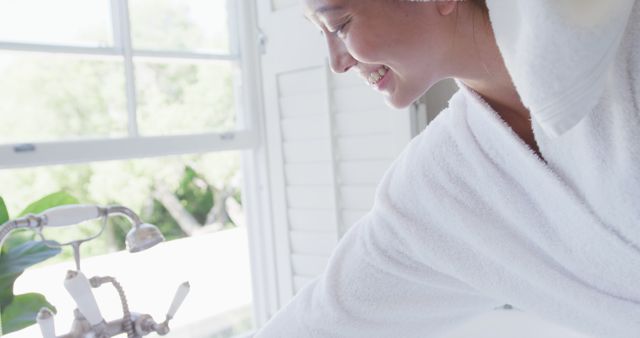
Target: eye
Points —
{"points": [[341, 30]]}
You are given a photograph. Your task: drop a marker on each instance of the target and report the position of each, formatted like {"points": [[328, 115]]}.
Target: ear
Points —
{"points": [[446, 7]]}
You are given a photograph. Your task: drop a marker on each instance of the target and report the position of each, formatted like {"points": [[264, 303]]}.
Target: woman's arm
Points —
{"points": [[380, 281], [372, 288]]}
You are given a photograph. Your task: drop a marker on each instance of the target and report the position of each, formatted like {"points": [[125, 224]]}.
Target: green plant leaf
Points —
{"points": [[17, 238], [22, 311], [49, 201], [16, 260], [4, 214]]}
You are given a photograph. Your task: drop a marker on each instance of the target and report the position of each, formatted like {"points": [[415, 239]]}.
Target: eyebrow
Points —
{"points": [[324, 9], [328, 8]]}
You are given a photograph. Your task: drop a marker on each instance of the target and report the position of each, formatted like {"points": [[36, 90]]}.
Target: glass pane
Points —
{"points": [[203, 189], [181, 98], [184, 25], [47, 97], [66, 22]]}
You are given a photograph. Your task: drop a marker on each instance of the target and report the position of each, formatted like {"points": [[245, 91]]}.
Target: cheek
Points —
{"points": [[363, 48], [399, 54]]}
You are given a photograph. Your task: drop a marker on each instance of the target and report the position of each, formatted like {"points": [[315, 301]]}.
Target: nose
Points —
{"points": [[341, 59]]}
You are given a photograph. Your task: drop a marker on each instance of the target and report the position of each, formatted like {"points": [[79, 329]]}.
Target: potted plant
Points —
{"points": [[19, 252]]}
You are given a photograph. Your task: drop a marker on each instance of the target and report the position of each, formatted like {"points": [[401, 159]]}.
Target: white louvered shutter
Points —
{"points": [[329, 138]]}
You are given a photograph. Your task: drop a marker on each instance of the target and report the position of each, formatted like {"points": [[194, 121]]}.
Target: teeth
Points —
{"points": [[374, 77]]}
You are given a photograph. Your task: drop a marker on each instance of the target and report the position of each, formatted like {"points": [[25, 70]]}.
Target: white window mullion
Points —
{"points": [[122, 39], [99, 52], [255, 162], [183, 56], [66, 152], [116, 30], [232, 26]]}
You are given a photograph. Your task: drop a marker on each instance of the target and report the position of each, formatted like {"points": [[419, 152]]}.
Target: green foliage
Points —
{"points": [[4, 213], [195, 194], [52, 200], [19, 311], [237, 196], [22, 311], [160, 217], [15, 261], [49, 201]]}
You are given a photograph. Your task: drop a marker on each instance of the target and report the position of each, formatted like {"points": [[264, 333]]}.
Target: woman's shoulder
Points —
{"points": [[438, 131], [432, 147]]}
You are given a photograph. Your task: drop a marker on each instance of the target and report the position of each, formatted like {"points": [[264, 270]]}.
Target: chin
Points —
{"points": [[397, 102], [401, 99]]}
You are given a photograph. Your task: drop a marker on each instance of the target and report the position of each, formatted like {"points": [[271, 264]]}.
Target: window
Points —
{"points": [[141, 103], [160, 68]]}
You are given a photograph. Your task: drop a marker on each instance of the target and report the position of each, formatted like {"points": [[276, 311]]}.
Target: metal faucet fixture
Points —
{"points": [[88, 320]]}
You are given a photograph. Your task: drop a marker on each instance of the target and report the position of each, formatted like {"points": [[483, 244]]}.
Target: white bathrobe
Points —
{"points": [[468, 218]]}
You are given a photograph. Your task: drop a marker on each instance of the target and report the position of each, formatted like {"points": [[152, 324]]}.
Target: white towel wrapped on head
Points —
{"points": [[559, 53]]}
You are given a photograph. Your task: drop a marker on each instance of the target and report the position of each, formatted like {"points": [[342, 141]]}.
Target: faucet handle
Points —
{"points": [[79, 288], [69, 214], [45, 321], [181, 293]]}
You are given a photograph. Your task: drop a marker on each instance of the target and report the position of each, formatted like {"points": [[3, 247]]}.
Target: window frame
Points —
{"points": [[133, 145], [248, 137]]}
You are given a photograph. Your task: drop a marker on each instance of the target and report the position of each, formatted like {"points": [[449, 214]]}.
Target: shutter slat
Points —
{"points": [[308, 174], [352, 216], [308, 265], [307, 128], [301, 281], [357, 99], [312, 220], [374, 122], [362, 172], [303, 105], [307, 151], [312, 243], [357, 197], [348, 80], [312, 197], [299, 82], [377, 147]]}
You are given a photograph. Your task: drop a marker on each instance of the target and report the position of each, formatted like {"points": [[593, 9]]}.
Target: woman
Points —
{"points": [[525, 190]]}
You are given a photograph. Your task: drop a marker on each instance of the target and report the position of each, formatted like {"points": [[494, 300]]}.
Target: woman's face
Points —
{"points": [[400, 48]]}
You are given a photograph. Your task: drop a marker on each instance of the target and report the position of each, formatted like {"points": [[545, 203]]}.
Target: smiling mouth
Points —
{"points": [[377, 75]]}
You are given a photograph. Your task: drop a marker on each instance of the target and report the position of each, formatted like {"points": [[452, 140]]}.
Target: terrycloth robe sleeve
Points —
{"points": [[559, 53], [378, 282]]}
